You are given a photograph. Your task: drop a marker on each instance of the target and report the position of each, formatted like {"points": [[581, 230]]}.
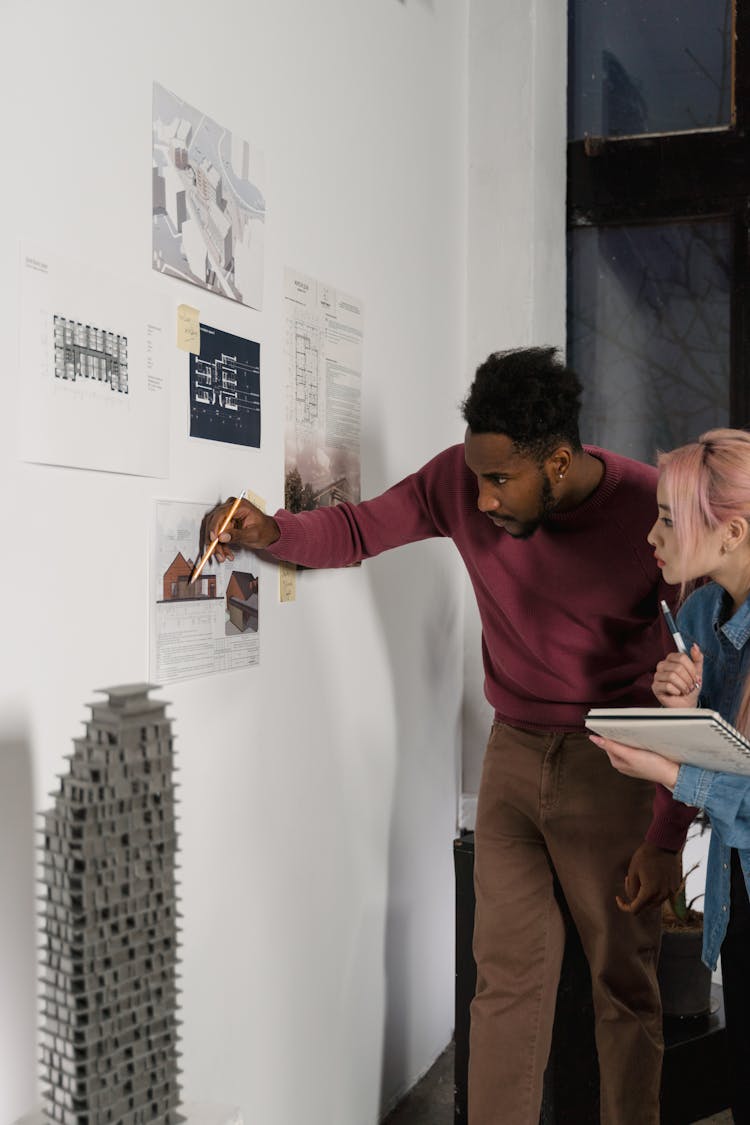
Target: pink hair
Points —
{"points": [[707, 483]]}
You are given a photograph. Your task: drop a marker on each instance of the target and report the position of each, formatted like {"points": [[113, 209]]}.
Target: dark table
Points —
{"points": [[694, 1078]]}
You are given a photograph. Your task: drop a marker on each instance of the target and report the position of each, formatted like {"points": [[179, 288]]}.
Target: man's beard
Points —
{"points": [[547, 504]]}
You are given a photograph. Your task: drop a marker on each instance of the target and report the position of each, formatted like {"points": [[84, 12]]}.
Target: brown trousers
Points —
{"points": [[553, 800]]}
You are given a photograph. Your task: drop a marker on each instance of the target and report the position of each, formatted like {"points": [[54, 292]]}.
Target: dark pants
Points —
{"points": [[735, 974]]}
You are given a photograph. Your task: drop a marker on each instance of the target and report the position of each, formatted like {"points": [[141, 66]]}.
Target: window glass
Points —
{"points": [[648, 332], [648, 66]]}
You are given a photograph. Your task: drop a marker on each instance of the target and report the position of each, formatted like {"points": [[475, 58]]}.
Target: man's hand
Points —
{"points": [[653, 875], [249, 528]]}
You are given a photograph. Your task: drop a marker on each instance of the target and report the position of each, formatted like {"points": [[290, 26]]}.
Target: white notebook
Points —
{"points": [[689, 735]]}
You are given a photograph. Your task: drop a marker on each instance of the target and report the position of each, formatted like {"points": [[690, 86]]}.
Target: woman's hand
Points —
{"points": [[677, 679], [639, 763]]}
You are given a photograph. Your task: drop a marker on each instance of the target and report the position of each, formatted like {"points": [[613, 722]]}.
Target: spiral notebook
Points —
{"points": [[689, 735]]}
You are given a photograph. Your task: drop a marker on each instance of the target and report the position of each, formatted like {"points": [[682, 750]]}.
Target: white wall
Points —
{"points": [[516, 233], [320, 789]]}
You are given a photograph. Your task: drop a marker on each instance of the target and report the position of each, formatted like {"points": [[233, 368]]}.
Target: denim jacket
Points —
{"points": [[725, 797]]}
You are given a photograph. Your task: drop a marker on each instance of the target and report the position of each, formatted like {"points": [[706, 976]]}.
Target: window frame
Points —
{"points": [[673, 177]]}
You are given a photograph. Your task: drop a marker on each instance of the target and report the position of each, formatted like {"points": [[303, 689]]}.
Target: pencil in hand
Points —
{"points": [[215, 541], [672, 626]]}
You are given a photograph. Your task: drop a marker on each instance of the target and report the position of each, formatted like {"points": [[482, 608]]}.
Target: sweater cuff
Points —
{"points": [[671, 821], [290, 536]]}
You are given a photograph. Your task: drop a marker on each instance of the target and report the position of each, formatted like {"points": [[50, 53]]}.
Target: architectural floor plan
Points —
{"points": [[93, 392], [83, 351]]}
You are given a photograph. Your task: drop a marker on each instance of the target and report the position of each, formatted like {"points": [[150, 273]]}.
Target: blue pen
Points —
{"points": [[676, 635]]}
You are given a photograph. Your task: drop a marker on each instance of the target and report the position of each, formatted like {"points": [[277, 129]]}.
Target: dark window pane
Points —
{"points": [[648, 332], [648, 66]]}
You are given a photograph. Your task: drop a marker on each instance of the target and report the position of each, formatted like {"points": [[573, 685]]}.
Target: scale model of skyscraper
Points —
{"points": [[109, 1043]]}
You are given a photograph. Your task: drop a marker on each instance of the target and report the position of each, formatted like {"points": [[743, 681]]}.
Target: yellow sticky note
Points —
{"points": [[188, 329], [287, 582], [254, 498]]}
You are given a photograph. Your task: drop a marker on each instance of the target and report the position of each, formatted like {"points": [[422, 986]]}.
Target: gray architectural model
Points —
{"points": [[109, 1041]]}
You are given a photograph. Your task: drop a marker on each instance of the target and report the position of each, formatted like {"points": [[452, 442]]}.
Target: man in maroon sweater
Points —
{"points": [[553, 535]]}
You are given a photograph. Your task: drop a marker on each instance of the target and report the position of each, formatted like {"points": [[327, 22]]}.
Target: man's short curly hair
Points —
{"points": [[529, 395]]}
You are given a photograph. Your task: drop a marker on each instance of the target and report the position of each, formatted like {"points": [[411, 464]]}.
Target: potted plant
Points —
{"points": [[684, 981]]}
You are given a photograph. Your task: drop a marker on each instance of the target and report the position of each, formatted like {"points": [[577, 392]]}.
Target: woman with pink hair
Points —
{"points": [[703, 531]]}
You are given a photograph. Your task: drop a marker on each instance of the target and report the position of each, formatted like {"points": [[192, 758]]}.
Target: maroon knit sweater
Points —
{"points": [[570, 616]]}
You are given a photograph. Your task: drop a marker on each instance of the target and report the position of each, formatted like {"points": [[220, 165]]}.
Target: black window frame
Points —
{"points": [[684, 176]]}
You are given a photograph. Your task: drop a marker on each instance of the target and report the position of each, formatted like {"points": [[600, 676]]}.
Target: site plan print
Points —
{"points": [[209, 204]]}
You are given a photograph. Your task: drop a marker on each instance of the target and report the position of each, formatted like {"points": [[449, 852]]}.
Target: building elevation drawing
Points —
{"points": [[209, 207], [176, 584], [225, 388], [109, 1040]]}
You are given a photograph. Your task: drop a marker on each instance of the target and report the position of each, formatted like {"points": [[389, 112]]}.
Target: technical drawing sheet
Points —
{"points": [[93, 387], [225, 388], [323, 330], [207, 627]]}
